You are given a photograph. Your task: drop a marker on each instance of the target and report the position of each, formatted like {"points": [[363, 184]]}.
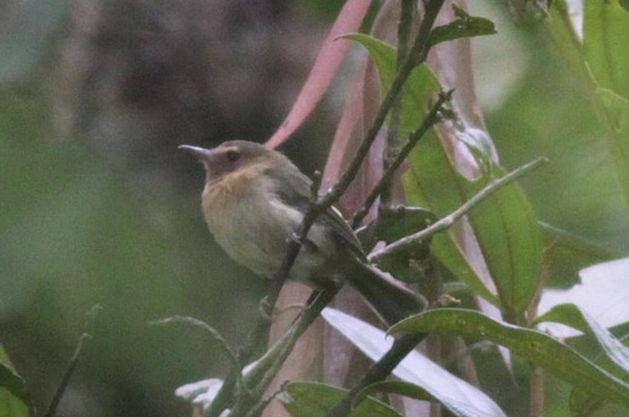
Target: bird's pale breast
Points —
{"points": [[252, 225]]}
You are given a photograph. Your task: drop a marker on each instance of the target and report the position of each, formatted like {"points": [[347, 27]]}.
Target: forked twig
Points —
{"points": [[74, 361], [447, 221]]}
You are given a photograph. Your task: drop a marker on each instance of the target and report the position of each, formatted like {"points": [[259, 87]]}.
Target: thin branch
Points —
{"points": [[214, 334], [434, 116], [378, 371], [407, 11], [261, 377], [74, 361], [536, 400], [447, 221], [416, 55]]}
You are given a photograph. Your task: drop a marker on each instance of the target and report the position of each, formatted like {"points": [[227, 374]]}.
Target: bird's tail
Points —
{"points": [[390, 300]]}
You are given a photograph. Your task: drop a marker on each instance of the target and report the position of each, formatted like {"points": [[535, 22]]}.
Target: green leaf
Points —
{"points": [[583, 404], [602, 294], [415, 368], [392, 225], [571, 315], [562, 33], [444, 247], [569, 253], [416, 392], [405, 389], [464, 26], [504, 224], [605, 40], [13, 393], [533, 345], [613, 113], [506, 229], [312, 399], [615, 352], [624, 4]]}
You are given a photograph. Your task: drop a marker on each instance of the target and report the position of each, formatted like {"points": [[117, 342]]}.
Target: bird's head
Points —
{"points": [[237, 157]]}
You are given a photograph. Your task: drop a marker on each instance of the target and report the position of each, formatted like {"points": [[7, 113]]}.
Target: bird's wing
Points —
{"points": [[297, 194]]}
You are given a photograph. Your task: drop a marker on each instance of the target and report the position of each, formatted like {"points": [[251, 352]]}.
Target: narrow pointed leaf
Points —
{"points": [[613, 112], [605, 40], [465, 26], [12, 382], [533, 345], [405, 389], [571, 315], [312, 399], [448, 389], [326, 66], [444, 247], [14, 397], [416, 392], [602, 293], [504, 225]]}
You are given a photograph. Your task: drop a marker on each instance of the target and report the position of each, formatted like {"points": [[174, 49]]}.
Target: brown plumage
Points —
{"points": [[254, 198]]}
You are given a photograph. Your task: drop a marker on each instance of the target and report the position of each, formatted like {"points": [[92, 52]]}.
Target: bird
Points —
{"points": [[253, 201]]}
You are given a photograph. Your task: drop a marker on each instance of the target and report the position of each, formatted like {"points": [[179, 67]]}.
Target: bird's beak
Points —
{"points": [[201, 153]]}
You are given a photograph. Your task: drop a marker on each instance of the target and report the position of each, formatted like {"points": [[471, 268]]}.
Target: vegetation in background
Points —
{"points": [[97, 207]]}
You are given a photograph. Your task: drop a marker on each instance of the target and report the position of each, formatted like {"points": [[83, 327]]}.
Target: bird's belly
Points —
{"points": [[255, 234]]}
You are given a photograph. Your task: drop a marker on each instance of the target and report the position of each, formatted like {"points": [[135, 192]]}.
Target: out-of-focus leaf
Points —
{"points": [[564, 36], [23, 45], [312, 399], [575, 251], [624, 4], [605, 40], [613, 112], [602, 295], [415, 368], [407, 389], [571, 315], [617, 354], [507, 232], [415, 102], [582, 403], [13, 393], [504, 224], [325, 67], [465, 26], [533, 345], [397, 387]]}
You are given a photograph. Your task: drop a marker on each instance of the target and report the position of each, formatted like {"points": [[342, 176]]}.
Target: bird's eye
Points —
{"points": [[232, 156]]}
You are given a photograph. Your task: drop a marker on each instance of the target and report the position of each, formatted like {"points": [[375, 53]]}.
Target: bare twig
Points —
{"points": [[407, 11], [261, 377], [416, 55], [74, 361], [214, 334], [536, 402], [447, 221], [434, 116], [378, 371]]}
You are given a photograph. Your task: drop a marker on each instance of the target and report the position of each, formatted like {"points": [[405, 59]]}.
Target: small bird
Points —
{"points": [[255, 198]]}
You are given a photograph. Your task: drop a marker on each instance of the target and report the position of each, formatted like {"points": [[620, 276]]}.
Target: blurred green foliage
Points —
{"points": [[77, 229]]}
